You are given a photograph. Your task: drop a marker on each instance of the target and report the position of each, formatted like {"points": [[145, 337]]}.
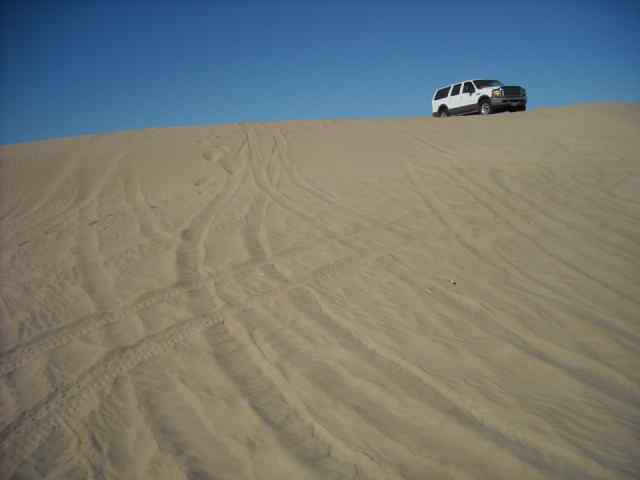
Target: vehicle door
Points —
{"points": [[454, 99], [468, 97]]}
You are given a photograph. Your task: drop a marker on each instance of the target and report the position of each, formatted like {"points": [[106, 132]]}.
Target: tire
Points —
{"points": [[522, 108], [485, 107], [444, 112]]}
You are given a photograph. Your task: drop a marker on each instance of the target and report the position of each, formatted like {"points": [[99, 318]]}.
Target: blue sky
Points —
{"points": [[74, 67]]}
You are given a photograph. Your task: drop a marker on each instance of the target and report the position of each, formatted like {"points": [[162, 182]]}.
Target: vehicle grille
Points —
{"points": [[512, 91]]}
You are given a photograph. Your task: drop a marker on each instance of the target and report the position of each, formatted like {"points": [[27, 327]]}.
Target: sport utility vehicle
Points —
{"points": [[478, 96]]}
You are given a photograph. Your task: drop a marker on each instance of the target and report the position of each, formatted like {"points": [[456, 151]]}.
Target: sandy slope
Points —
{"points": [[417, 299]]}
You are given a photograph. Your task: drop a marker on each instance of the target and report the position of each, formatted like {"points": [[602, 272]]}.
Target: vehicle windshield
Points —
{"points": [[487, 83]]}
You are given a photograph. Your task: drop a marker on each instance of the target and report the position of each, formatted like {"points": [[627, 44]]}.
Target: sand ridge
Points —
{"points": [[385, 299]]}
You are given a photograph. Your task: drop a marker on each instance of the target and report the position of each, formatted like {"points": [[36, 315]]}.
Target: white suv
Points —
{"points": [[478, 96]]}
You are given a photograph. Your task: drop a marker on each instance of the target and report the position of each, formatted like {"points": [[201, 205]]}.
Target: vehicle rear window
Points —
{"points": [[442, 93], [455, 90]]}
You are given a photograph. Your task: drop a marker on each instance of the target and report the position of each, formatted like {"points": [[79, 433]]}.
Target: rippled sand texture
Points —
{"points": [[388, 299]]}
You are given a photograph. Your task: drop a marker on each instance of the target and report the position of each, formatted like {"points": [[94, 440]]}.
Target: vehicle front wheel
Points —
{"points": [[485, 107], [444, 113]]}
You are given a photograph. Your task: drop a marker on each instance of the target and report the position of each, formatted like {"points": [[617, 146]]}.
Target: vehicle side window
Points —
{"points": [[468, 88], [442, 93], [455, 90]]}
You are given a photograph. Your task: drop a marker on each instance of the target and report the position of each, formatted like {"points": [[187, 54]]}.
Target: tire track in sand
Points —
{"points": [[190, 252], [23, 436], [551, 214], [459, 179], [88, 188], [258, 167], [417, 384], [21, 355], [556, 356], [149, 226], [257, 240], [31, 427], [43, 196], [267, 396], [289, 166], [292, 424], [99, 285]]}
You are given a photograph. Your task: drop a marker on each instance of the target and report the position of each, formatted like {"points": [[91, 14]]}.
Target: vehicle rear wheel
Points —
{"points": [[444, 113], [485, 107]]}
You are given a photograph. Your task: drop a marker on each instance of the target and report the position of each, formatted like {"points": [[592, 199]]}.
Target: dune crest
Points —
{"points": [[380, 299]]}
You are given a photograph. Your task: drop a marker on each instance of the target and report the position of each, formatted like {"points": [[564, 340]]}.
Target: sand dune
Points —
{"points": [[388, 299]]}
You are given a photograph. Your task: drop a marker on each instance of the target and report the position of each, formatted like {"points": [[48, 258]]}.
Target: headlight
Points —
{"points": [[497, 92]]}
